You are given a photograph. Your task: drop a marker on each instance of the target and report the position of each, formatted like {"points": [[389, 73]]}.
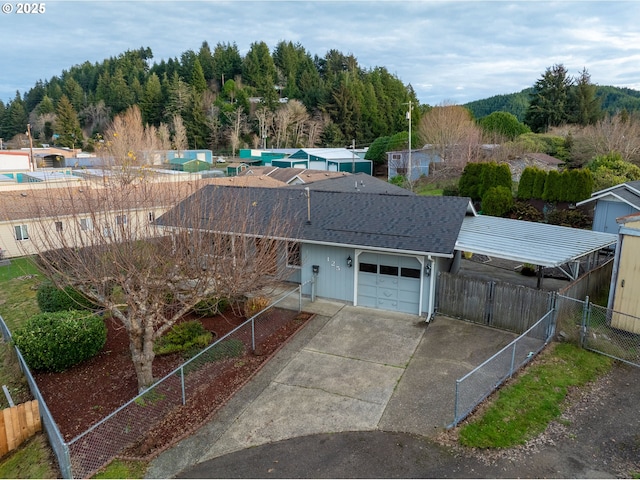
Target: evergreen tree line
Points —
{"points": [[553, 186], [284, 98]]}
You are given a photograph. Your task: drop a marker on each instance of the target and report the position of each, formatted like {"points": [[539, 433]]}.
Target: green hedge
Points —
{"points": [[55, 341], [183, 336], [53, 299]]}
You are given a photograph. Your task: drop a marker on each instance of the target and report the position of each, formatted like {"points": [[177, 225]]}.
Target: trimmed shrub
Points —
{"points": [[56, 341], [569, 218], [53, 299], [497, 201], [211, 306], [182, 337]]}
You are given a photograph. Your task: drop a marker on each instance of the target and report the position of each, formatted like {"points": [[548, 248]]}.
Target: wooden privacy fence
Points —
{"points": [[17, 424], [497, 304]]}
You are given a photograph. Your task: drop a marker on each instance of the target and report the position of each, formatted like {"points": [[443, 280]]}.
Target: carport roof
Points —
{"points": [[529, 242]]}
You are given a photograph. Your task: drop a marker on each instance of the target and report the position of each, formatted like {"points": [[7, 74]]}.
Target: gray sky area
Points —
{"points": [[449, 51]]}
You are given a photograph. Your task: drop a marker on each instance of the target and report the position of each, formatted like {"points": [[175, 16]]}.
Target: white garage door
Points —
{"points": [[389, 282]]}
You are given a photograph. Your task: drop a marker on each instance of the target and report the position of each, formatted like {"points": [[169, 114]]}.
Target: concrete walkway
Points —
{"points": [[349, 369]]}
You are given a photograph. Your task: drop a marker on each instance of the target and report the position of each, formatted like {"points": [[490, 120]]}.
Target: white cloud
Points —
{"points": [[464, 50]]}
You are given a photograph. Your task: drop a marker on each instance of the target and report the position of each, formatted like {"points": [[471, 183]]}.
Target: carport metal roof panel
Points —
{"points": [[529, 242]]}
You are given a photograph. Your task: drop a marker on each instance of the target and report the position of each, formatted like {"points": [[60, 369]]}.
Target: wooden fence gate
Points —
{"points": [[497, 304]]}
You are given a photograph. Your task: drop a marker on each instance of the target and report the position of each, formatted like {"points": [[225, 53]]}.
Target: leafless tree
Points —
{"points": [[179, 134], [103, 241], [265, 123], [314, 130], [281, 122], [128, 144], [164, 137], [614, 133], [238, 125], [454, 136]]}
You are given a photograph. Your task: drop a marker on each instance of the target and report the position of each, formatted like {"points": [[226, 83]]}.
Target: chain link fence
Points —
{"points": [[59, 447], [478, 384], [206, 380], [611, 333]]}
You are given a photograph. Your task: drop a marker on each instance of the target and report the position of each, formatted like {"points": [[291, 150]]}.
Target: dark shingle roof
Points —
{"points": [[359, 182], [379, 221]]}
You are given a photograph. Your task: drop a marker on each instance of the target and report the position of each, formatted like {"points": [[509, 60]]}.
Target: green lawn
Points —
{"points": [[19, 282], [524, 408]]}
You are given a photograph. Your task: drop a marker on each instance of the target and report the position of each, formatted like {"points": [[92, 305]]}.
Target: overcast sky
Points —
{"points": [[449, 51]]}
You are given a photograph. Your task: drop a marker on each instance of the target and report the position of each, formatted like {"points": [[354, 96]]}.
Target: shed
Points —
{"points": [[624, 293], [189, 165], [612, 203], [234, 168]]}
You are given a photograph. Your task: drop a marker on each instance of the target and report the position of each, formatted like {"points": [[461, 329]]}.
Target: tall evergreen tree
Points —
{"points": [[198, 82], [549, 105], [227, 63], [584, 105], [259, 71], [68, 125], [151, 105]]}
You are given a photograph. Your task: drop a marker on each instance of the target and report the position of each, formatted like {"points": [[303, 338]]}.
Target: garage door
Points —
{"points": [[389, 282]]}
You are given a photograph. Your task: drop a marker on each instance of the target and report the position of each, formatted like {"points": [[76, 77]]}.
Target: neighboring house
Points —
{"points": [[624, 293], [421, 158], [202, 155], [374, 250], [538, 160], [292, 176], [612, 203], [333, 160], [11, 161]]}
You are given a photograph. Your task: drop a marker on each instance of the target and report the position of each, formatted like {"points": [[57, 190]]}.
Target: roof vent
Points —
{"points": [[308, 195]]}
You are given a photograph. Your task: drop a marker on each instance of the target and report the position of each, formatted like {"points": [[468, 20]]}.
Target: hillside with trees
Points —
{"points": [[280, 97], [613, 100]]}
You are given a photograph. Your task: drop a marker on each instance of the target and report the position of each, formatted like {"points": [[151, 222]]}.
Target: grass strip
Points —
{"points": [[524, 408]]}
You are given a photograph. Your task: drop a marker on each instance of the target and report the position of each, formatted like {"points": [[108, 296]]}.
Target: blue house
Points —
{"points": [[421, 158], [372, 248], [612, 203]]}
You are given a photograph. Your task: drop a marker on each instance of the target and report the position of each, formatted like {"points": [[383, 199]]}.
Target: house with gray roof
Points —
{"points": [[379, 249], [612, 203]]}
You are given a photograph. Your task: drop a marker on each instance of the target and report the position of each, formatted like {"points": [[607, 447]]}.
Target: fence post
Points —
{"points": [[184, 397], [455, 405], [583, 329], [253, 333], [513, 359], [299, 298]]}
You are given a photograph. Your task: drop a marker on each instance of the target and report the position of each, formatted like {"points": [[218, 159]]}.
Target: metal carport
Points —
{"points": [[538, 244]]}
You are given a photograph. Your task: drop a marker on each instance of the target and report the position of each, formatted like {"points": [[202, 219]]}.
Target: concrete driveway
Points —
{"points": [[349, 369]]}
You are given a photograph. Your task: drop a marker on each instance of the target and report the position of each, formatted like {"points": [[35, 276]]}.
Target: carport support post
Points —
{"points": [[539, 284]]}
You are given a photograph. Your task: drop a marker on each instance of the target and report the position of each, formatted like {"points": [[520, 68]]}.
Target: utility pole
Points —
{"points": [[353, 156], [31, 162], [409, 172]]}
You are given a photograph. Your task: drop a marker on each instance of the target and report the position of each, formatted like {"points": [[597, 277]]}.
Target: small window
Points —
{"points": [[58, 227], [410, 272], [152, 216], [107, 231], [86, 224], [21, 232], [294, 258], [121, 219], [396, 156], [401, 170], [368, 267], [388, 270]]}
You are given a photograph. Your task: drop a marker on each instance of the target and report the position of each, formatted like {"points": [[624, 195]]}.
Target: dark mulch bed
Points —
{"points": [[81, 396]]}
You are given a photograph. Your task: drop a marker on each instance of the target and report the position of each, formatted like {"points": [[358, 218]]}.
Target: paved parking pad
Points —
{"points": [[340, 381], [350, 369]]}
